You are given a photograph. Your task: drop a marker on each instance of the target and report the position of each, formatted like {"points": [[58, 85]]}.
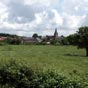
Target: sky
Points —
{"points": [[26, 17]]}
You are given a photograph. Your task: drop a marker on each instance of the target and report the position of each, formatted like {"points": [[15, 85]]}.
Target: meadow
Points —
{"points": [[62, 59]]}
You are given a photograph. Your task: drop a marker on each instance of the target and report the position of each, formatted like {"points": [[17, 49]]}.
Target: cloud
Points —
{"points": [[58, 20], [47, 3], [25, 17], [72, 21], [85, 21], [76, 7]]}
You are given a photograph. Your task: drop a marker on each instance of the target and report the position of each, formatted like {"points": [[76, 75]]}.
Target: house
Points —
{"points": [[50, 38], [3, 38], [53, 37], [30, 40]]}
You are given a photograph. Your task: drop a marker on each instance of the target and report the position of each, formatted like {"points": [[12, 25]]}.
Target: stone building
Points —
{"points": [[55, 34], [50, 38]]}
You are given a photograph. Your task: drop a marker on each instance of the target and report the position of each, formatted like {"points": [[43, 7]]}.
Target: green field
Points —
{"points": [[62, 59]]}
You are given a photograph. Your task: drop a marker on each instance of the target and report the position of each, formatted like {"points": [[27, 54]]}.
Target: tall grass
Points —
{"points": [[63, 59]]}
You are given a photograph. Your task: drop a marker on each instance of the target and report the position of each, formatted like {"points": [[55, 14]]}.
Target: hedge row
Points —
{"points": [[13, 76]]}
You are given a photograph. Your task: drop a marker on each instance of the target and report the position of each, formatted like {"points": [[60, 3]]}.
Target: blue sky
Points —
{"points": [[25, 17]]}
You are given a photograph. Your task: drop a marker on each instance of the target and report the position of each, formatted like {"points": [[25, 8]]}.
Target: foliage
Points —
{"points": [[61, 58], [14, 41], [65, 62], [35, 35], [82, 36], [23, 77], [64, 41], [10, 39], [53, 42], [7, 35], [72, 39]]}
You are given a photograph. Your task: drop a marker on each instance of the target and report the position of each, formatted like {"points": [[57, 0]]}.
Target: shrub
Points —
{"points": [[14, 76]]}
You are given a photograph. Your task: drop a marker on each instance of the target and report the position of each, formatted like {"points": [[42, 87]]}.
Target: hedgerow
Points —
{"points": [[14, 76]]}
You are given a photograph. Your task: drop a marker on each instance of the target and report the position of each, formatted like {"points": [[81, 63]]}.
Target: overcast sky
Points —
{"points": [[25, 17]]}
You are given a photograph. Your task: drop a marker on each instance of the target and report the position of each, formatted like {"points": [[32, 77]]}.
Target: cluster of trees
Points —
{"points": [[80, 38], [35, 35], [15, 41], [7, 35], [10, 39]]}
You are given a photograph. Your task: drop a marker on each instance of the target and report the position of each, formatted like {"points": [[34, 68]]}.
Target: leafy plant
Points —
{"points": [[13, 76]]}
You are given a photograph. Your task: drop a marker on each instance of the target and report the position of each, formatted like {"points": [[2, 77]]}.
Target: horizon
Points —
{"points": [[26, 17], [38, 34]]}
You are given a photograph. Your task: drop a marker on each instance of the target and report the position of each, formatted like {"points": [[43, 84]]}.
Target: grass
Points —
{"points": [[63, 59]]}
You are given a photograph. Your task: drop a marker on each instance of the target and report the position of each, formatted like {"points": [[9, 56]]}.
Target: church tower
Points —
{"points": [[56, 34]]}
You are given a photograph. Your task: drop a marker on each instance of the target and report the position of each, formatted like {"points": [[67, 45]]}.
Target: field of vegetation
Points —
{"points": [[64, 60]]}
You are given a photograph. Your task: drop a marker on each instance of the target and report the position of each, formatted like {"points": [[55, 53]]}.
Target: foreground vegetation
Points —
{"points": [[15, 76], [66, 61]]}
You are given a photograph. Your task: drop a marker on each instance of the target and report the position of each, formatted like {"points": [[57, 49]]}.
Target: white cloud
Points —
{"points": [[41, 2], [57, 18], [3, 12], [75, 6], [72, 21], [69, 6], [24, 17]]}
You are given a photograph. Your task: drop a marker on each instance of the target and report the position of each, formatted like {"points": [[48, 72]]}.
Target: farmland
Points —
{"points": [[62, 59]]}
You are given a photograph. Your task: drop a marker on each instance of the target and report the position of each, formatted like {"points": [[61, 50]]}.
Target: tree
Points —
{"points": [[72, 39], [65, 41], [83, 38], [35, 35], [40, 37], [14, 41]]}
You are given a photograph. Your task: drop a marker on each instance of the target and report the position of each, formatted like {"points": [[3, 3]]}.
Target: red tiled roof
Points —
{"points": [[3, 38]]}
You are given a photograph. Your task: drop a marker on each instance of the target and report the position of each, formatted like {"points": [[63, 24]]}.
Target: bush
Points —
{"points": [[14, 76]]}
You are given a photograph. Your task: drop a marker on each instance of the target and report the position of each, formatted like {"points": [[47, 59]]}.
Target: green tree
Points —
{"points": [[35, 35], [72, 39], [83, 38]]}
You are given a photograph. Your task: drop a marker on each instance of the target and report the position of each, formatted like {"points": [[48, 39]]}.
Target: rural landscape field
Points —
{"points": [[63, 59], [66, 61], [43, 43]]}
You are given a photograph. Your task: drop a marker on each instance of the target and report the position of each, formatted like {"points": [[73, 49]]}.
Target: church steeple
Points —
{"points": [[56, 34]]}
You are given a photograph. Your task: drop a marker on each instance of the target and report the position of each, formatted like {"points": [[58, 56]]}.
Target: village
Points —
{"points": [[35, 39]]}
